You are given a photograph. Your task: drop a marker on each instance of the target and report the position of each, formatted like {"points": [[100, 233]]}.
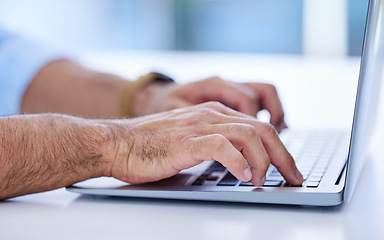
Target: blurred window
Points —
{"points": [[261, 26]]}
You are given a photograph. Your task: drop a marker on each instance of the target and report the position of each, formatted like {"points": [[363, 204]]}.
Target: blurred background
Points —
{"points": [[313, 27]]}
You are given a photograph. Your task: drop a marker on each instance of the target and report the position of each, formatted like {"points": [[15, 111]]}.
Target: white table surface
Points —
{"points": [[59, 214]]}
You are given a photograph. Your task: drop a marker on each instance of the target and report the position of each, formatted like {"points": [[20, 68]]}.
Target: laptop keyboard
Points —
{"points": [[312, 151]]}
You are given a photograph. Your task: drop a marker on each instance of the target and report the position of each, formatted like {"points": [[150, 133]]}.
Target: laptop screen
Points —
{"points": [[367, 94]]}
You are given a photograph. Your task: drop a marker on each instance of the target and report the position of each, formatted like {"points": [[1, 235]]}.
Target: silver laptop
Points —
{"points": [[330, 161]]}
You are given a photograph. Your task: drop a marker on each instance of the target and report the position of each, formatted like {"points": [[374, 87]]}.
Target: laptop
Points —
{"points": [[330, 161]]}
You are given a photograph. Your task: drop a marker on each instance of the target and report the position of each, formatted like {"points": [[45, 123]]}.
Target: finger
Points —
{"points": [[221, 108], [250, 104], [217, 147], [279, 156], [270, 101], [236, 96], [245, 139]]}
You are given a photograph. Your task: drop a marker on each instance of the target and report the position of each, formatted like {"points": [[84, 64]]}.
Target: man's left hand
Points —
{"points": [[248, 98]]}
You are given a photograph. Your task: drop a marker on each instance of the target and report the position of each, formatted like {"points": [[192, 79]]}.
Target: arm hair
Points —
{"points": [[48, 151]]}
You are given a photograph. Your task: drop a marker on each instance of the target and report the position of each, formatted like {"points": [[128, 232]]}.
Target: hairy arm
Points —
{"points": [[48, 151], [44, 152]]}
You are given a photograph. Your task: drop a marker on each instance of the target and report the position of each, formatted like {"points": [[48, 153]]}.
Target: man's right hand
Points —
{"points": [[158, 146], [48, 151]]}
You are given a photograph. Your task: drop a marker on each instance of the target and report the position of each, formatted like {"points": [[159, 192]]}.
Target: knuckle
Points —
{"points": [[203, 115], [251, 97], [250, 131], [218, 141], [268, 129], [248, 92], [206, 112], [214, 105], [272, 88], [197, 118]]}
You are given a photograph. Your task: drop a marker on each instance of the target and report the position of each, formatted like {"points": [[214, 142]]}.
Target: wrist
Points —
{"points": [[142, 97], [116, 149], [84, 143], [103, 139], [87, 143], [132, 97]]}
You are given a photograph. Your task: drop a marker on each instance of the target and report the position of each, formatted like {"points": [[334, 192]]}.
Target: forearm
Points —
{"points": [[44, 152], [67, 87]]}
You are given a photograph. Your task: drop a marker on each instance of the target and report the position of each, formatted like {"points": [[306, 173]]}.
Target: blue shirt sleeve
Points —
{"points": [[20, 60]]}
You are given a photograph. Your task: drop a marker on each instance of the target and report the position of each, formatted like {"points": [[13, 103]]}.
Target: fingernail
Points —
{"points": [[299, 176], [247, 174], [262, 181]]}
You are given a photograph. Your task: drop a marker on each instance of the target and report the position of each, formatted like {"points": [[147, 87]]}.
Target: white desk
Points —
{"points": [[62, 215]]}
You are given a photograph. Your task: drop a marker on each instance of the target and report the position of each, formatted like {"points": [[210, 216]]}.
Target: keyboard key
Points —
{"points": [[320, 169], [317, 175], [198, 182], [248, 184], [204, 176], [317, 172], [275, 174], [275, 170], [288, 185], [228, 180], [212, 178], [215, 167], [275, 178], [272, 183], [305, 171], [312, 184], [266, 184], [305, 176], [314, 179]]}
